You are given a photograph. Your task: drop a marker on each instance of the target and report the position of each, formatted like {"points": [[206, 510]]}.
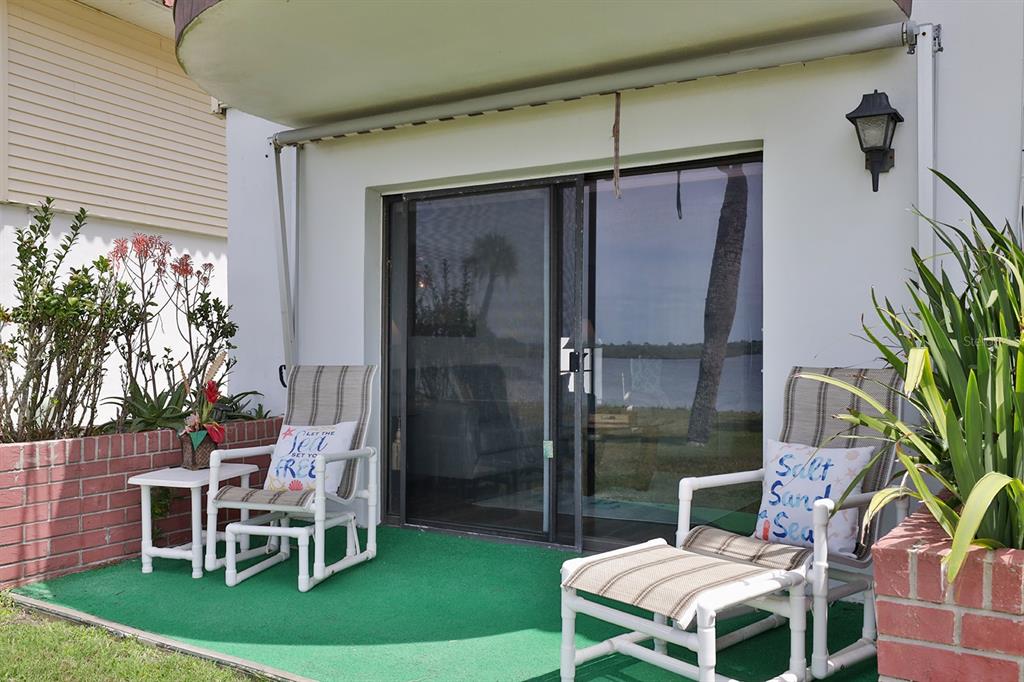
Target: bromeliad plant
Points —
{"points": [[201, 423], [958, 347]]}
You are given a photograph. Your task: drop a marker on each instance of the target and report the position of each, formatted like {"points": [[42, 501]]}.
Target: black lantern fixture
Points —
{"points": [[875, 121]]}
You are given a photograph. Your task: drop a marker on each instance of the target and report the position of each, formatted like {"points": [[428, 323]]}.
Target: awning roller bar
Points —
{"points": [[793, 52]]}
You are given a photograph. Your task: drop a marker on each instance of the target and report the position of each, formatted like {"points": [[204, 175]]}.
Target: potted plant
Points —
{"points": [[202, 433], [959, 346]]}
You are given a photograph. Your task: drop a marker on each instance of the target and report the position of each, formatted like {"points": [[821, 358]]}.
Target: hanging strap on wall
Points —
{"points": [[615, 146]]}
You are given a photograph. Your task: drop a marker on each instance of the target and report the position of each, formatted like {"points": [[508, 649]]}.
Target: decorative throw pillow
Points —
{"points": [[796, 476], [293, 464]]}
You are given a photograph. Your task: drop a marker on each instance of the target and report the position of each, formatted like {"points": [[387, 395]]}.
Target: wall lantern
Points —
{"points": [[875, 121]]}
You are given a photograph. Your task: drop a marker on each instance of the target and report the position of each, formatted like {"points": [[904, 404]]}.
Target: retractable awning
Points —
{"points": [[323, 61]]}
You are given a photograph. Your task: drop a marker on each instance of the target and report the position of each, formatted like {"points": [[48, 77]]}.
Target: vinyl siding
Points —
{"points": [[99, 114]]}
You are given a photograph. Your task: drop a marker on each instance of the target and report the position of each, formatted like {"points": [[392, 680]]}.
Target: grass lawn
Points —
{"points": [[36, 648]]}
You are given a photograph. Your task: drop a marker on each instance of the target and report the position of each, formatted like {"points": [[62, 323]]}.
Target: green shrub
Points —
{"points": [[56, 339]]}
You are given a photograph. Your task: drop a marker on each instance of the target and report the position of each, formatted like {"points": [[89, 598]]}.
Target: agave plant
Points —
{"points": [[958, 347]]}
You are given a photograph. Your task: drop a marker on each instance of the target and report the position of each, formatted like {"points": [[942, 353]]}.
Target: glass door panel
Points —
{"points": [[673, 368], [477, 359]]}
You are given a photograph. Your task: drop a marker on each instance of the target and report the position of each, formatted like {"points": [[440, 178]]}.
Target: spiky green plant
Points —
{"points": [[958, 347]]}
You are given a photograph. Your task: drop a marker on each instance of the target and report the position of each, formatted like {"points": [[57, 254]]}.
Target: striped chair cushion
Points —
{"points": [[659, 578], [709, 540], [302, 499], [809, 413], [323, 395]]}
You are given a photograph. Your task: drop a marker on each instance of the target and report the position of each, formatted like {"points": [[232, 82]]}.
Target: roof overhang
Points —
{"points": [[304, 63]]}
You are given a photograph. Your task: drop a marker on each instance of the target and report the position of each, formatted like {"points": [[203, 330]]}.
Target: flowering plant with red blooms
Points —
{"points": [[164, 287], [201, 422]]}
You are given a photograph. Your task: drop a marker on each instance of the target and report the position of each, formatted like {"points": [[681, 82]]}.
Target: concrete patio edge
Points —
{"points": [[120, 630]]}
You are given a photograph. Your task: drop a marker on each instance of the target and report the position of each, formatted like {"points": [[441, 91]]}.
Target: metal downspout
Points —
{"points": [[927, 44]]}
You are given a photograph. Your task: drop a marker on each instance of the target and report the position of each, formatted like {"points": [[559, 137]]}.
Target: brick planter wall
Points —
{"points": [[930, 630], [65, 505]]}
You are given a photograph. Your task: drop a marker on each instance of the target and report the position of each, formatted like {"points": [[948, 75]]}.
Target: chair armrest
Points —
{"points": [[320, 496], [858, 500], [218, 456], [720, 480], [822, 514], [326, 457], [688, 485]]}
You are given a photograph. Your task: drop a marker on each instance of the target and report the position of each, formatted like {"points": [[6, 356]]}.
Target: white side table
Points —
{"points": [[194, 481]]}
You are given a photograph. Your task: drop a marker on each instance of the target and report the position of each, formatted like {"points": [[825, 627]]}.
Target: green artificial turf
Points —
{"points": [[430, 606]]}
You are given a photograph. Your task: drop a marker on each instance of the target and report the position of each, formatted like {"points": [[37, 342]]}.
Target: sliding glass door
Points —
{"points": [[559, 356]]}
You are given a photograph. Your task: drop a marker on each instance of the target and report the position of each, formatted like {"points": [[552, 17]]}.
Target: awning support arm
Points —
{"points": [[284, 278]]}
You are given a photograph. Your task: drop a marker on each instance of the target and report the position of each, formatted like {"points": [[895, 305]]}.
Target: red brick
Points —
{"points": [[1008, 581], [11, 574], [114, 517], [81, 470], [66, 543], [103, 484], [11, 535], [124, 498], [164, 440], [993, 633], [929, 664], [103, 446], [94, 538], [141, 443], [73, 450], [115, 445], [11, 457], [130, 531], [50, 564], [16, 516], [133, 464], [931, 577], [50, 529], [24, 551], [127, 445], [12, 498], [892, 571], [169, 458], [915, 622], [60, 508], [969, 587], [52, 491], [108, 553], [95, 503], [11, 479], [89, 449]]}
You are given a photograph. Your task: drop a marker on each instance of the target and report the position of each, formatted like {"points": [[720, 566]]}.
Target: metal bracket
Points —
{"points": [[937, 38], [910, 36]]}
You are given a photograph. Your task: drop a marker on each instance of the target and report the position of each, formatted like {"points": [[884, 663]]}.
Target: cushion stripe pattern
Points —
{"points": [[268, 498], [659, 578], [809, 409], [717, 542], [324, 395]]}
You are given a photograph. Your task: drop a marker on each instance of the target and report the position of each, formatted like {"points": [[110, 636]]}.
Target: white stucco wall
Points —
{"points": [[827, 238], [97, 239]]}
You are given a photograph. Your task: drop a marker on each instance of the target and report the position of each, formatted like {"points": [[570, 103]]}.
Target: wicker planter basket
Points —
{"points": [[194, 458]]}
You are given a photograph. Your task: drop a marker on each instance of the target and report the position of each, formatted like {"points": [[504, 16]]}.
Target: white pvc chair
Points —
{"points": [[317, 396], [704, 557]]}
